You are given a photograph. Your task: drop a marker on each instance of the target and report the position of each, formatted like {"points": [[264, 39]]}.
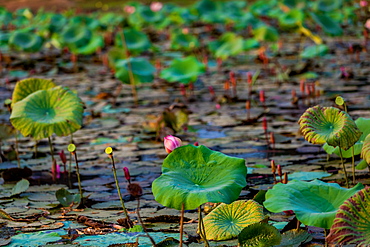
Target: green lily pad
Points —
{"points": [[315, 203], [20, 187], [75, 35], [186, 42], [66, 198], [28, 86], [314, 51], [136, 41], [328, 5], [329, 125], [266, 33], [259, 235], [351, 223], [44, 112], [250, 44], [306, 176], [365, 152], [229, 44], [294, 238], [363, 125], [190, 176], [184, 70], [26, 41], [34, 239], [329, 25], [291, 19], [228, 220]]}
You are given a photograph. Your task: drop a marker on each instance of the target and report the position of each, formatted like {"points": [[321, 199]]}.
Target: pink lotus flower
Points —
{"points": [[129, 9], [367, 24], [363, 3], [156, 6], [171, 142]]}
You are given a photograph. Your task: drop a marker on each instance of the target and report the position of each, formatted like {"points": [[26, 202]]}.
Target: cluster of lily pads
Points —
{"points": [[137, 36]]}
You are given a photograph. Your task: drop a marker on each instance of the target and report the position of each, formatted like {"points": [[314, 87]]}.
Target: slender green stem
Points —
{"points": [[70, 166], [54, 163], [344, 167], [17, 149], [118, 189], [202, 231], [78, 175], [182, 224], [142, 223], [353, 166], [130, 74]]}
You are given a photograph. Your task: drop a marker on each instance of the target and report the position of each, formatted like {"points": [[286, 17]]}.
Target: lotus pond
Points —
{"points": [[217, 124]]}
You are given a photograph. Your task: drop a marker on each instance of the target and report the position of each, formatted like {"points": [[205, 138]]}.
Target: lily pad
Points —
{"points": [[306, 176], [190, 176], [314, 203], [295, 238], [28, 86], [327, 24], [315, 51], [351, 223], [34, 239], [44, 112], [266, 33], [20, 187], [184, 70], [229, 44], [329, 125], [228, 220], [259, 234], [136, 41], [26, 41]]}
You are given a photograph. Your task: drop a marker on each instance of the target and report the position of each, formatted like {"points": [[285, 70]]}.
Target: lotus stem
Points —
{"points": [[202, 231], [142, 223], [54, 163], [182, 224], [74, 153], [17, 150], [353, 166], [70, 165], [130, 74], [344, 167], [110, 154]]}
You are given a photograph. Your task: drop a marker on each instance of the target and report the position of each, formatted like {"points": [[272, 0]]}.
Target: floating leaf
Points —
{"points": [[191, 176], [329, 125], [228, 220], [187, 42], [327, 23], [314, 51], [229, 44], [44, 112], [26, 41], [266, 33], [141, 68], [315, 203], [308, 175], [365, 152], [291, 19], [295, 238], [20, 187], [259, 235], [28, 86], [66, 198], [351, 223], [184, 70], [136, 41], [34, 239]]}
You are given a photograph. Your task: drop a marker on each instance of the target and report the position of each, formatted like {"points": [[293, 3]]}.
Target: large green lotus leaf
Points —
{"points": [[266, 33], [136, 41], [208, 7], [33, 239], [57, 22], [363, 124], [139, 66], [228, 220], [329, 125], [184, 70], [365, 152], [191, 177], [150, 16], [315, 203], [259, 235], [26, 41], [230, 45], [44, 112], [28, 86], [314, 51], [352, 221], [327, 24], [95, 42], [250, 44], [74, 35], [184, 41], [291, 19]]}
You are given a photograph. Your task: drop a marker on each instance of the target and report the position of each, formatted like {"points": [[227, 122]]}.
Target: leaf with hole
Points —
{"points": [[226, 221]]}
